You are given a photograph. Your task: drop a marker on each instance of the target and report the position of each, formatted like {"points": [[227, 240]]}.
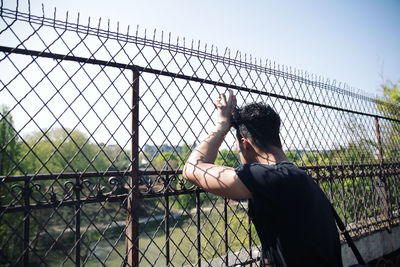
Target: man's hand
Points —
{"points": [[224, 108], [200, 169]]}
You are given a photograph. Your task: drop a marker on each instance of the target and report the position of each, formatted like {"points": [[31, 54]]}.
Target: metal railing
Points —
{"points": [[96, 126]]}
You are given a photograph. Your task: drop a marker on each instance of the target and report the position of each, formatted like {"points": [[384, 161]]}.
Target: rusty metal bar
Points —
{"points": [[390, 169], [198, 228], [166, 227], [250, 239], [132, 229], [379, 142], [26, 194], [66, 175], [226, 243], [77, 190], [380, 182]]}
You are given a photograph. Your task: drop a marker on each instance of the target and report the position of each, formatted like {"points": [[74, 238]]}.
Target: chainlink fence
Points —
{"points": [[96, 125]]}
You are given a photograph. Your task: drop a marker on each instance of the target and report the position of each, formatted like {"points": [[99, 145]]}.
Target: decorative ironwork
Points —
{"points": [[97, 124]]}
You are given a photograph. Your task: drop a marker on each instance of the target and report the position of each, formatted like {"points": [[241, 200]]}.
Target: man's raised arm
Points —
{"points": [[200, 168]]}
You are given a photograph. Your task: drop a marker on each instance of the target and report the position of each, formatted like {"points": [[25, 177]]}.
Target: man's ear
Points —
{"points": [[246, 143]]}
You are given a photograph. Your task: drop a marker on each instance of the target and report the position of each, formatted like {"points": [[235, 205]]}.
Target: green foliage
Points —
{"points": [[390, 103], [9, 144], [10, 242], [9, 155], [166, 160], [186, 201], [293, 156], [62, 150], [228, 158]]}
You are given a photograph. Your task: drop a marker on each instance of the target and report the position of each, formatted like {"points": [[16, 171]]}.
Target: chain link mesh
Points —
{"points": [[97, 124]]}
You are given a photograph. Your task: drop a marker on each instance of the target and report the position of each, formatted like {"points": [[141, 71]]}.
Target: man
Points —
{"points": [[292, 216]]}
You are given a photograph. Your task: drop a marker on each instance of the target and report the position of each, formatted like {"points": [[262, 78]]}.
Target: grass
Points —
{"points": [[183, 240]]}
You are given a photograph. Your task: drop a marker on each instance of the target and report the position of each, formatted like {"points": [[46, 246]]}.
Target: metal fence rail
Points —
{"points": [[96, 125]]}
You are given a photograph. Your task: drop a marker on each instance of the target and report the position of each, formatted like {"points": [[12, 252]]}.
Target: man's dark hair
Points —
{"points": [[258, 122]]}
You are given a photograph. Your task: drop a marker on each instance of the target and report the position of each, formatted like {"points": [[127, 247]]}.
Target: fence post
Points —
{"points": [[77, 189], [26, 194], [380, 182], [166, 220], [198, 228], [226, 231], [132, 229], [250, 237]]}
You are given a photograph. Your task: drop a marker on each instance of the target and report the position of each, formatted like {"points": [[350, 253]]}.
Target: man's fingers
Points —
{"points": [[223, 99], [230, 98]]}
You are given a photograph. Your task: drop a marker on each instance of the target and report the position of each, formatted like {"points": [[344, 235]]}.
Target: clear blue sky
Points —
{"points": [[352, 41]]}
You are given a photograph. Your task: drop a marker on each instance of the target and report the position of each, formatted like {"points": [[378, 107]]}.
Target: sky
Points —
{"points": [[354, 42]]}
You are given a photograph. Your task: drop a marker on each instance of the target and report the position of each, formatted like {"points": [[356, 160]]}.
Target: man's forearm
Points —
{"points": [[207, 150]]}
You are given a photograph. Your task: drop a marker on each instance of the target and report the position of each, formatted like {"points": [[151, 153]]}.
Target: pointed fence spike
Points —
{"points": [[77, 20], [98, 26], [88, 26], [237, 54], [29, 8]]}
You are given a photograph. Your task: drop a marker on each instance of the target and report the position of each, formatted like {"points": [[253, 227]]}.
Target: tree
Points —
{"points": [[293, 156], [10, 243], [389, 104], [62, 150], [166, 160], [9, 144]]}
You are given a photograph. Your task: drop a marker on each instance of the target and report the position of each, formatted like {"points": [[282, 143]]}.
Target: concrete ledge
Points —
{"points": [[373, 246]]}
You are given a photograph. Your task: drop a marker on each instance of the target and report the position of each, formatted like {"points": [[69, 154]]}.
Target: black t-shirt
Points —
{"points": [[292, 215]]}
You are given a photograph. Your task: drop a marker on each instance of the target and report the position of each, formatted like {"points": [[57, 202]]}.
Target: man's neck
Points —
{"points": [[274, 156]]}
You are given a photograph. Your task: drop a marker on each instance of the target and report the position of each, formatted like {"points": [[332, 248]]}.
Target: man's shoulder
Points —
{"points": [[283, 167]]}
